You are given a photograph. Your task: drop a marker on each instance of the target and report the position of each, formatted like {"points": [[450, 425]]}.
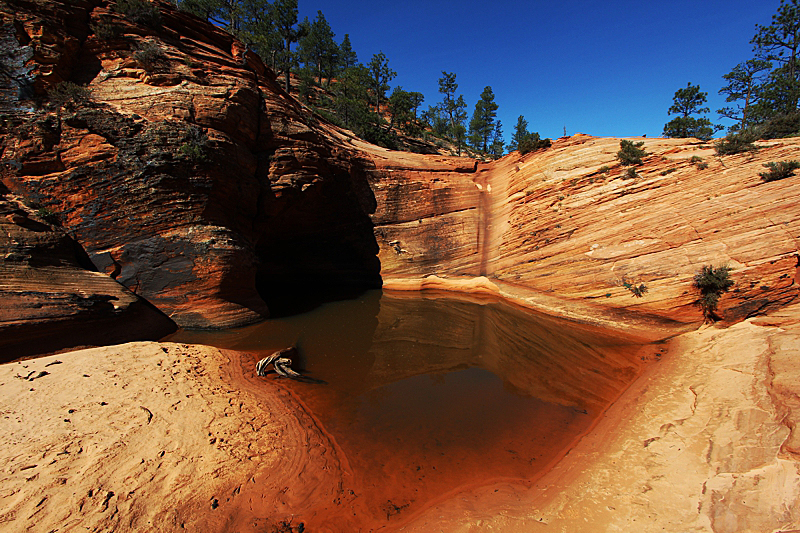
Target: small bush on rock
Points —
{"points": [[140, 12], [531, 143], [106, 30], [70, 95], [712, 282], [631, 153], [779, 170], [48, 216], [194, 146], [149, 56], [780, 126], [736, 143], [630, 174], [637, 290]]}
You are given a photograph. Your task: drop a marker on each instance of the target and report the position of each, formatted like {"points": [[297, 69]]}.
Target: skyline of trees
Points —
{"points": [[761, 90]]}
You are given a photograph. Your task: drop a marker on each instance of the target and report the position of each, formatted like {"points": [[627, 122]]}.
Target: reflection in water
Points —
{"points": [[427, 394]]}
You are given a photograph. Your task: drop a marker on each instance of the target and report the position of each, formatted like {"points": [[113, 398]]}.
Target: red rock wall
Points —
{"points": [[51, 297], [267, 202], [205, 189], [552, 222]]}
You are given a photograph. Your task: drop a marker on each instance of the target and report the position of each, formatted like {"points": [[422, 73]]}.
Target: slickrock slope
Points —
{"points": [[191, 178], [706, 441], [555, 221]]}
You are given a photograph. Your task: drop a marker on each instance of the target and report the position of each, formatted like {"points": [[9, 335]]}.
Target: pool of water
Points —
{"points": [[427, 394]]}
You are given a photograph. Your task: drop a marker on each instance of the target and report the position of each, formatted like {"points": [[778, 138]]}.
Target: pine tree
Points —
{"points": [[352, 96], [380, 76], [210, 10], [744, 83], [519, 135], [284, 18], [437, 120], [400, 107], [780, 43], [524, 141], [496, 148], [317, 47], [347, 56], [482, 124], [416, 100], [687, 102], [403, 108], [448, 87], [257, 30], [459, 130]]}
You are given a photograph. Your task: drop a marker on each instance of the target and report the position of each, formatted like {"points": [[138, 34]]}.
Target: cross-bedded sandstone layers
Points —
{"points": [[51, 296], [189, 177], [193, 180], [558, 222]]}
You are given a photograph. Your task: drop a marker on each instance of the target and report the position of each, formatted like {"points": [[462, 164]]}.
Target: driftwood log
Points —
{"points": [[281, 362]]}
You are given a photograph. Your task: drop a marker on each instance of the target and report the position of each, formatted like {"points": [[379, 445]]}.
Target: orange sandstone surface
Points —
{"points": [[565, 221], [148, 436]]}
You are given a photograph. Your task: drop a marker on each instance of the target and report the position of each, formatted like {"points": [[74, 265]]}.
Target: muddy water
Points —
{"points": [[426, 396]]}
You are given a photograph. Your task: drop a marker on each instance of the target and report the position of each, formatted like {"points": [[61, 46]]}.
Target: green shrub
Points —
{"points": [[106, 30], [736, 143], [631, 153], [630, 174], [149, 56], [531, 143], [696, 159], [637, 290], [779, 170], [702, 166], [668, 171], [603, 170], [712, 282], [47, 215], [780, 126], [194, 145], [68, 94], [140, 12]]}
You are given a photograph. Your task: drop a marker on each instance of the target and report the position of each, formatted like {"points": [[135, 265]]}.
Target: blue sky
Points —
{"points": [[602, 68]]}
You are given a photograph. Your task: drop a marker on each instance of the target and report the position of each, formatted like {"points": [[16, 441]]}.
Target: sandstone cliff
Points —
{"points": [[556, 221], [51, 295], [193, 180]]}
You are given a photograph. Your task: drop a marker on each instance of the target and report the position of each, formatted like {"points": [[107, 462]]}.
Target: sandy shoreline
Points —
{"points": [[149, 436]]}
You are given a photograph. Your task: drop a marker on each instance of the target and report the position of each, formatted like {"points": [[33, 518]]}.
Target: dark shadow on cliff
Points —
{"points": [[319, 245]]}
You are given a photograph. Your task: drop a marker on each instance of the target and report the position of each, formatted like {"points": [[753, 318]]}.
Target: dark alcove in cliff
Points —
{"points": [[319, 246]]}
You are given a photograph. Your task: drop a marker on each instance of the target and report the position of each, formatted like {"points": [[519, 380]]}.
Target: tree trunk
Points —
{"points": [[287, 64]]}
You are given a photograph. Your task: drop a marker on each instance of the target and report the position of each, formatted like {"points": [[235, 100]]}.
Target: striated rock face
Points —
{"points": [[195, 182], [555, 221], [52, 298]]}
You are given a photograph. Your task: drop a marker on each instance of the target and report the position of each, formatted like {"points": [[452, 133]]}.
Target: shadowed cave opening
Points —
{"points": [[319, 247]]}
